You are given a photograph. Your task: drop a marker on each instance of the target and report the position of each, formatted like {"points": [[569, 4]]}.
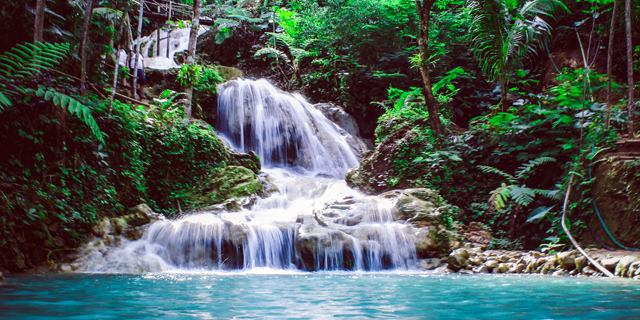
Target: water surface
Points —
{"points": [[297, 295]]}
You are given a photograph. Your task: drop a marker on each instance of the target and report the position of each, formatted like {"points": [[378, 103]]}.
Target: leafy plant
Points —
{"points": [[23, 62], [506, 32], [189, 75]]}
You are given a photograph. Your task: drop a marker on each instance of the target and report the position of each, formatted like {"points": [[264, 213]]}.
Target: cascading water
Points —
{"points": [[314, 221]]}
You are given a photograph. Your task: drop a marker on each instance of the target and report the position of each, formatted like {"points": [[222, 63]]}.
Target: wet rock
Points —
{"points": [[635, 266], [581, 262], [588, 271], [502, 268], [432, 241], [442, 270], [610, 263], [141, 215], [482, 269], [227, 183], [102, 228], [458, 259], [2, 280], [622, 268], [340, 117], [430, 263], [492, 264], [418, 204], [567, 260], [268, 186], [65, 268]]}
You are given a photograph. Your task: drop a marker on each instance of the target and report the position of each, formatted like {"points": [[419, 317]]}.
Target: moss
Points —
{"points": [[226, 183]]}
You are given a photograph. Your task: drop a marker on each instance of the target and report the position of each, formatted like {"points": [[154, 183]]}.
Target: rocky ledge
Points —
{"points": [[470, 260]]}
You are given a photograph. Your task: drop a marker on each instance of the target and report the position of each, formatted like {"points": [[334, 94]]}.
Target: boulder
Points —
{"points": [[633, 268], [492, 264], [429, 263], [610, 263], [501, 268], [227, 183], [417, 205], [567, 260], [2, 280], [458, 259], [622, 268], [581, 262], [340, 117]]}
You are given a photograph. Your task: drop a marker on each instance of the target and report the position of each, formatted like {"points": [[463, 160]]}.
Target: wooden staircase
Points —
{"points": [[627, 150]]}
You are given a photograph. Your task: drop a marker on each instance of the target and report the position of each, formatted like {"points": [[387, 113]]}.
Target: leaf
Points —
{"points": [[539, 213]]}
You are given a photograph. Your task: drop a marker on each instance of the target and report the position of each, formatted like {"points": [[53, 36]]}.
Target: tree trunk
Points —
{"points": [[39, 22], [607, 121], [627, 17], [117, 63], [191, 53], [424, 12], [136, 51], [83, 46]]}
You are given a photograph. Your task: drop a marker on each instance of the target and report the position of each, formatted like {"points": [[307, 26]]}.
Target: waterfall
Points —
{"points": [[314, 221], [283, 129]]}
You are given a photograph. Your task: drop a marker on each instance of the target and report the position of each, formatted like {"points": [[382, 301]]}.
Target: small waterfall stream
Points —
{"points": [[315, 221]]}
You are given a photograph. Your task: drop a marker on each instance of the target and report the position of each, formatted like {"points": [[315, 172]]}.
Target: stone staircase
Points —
{"points": [[627, 150]]}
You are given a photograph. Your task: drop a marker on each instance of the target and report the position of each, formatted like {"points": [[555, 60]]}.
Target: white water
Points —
{"points": [[315, 221], [178, 41]]}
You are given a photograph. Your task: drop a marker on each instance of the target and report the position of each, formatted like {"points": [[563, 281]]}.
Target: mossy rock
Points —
{"points": [[226, 183]]}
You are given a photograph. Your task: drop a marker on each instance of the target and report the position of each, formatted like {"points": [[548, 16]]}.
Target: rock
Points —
{"points": [[559, 272], [417, 204], [377, 172], [430, 263], [636, 277], [102, 228], [610, 263], [581, 262], [65, 268], [442, 270], [230, 182], [502, 268], [633, 268], [475, 261], [2, 280], [482, 269], [492, 264], [518, 268], [637, 273], [340, 117], [431, 242], [622, 267], [458, 259], [588, 271], [141, 215], [567, 260]]}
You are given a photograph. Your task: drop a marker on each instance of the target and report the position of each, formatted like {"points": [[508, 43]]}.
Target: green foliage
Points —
{"points": [[189, 75], [24, 62]]}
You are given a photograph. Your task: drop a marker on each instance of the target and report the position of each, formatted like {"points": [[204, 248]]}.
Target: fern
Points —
{"points": [[521, 195], [272, 51], [487, 169], [25, 61], [73, 106], [523, 171]]}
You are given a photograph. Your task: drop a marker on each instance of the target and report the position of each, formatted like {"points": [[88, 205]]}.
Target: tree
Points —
{"points": [[627, 17], [507, 32], [424, 12], [136, 51], [39, 21], [191, 52], [607, 121], [83, 45]]}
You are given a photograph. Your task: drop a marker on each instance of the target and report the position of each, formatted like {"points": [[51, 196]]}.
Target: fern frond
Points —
{"points": [[272, 51], [523, 171], [521, 195], [4, 101], [550, 194], [25, 60], [499, 197], [72, 105], [487, 169]]}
